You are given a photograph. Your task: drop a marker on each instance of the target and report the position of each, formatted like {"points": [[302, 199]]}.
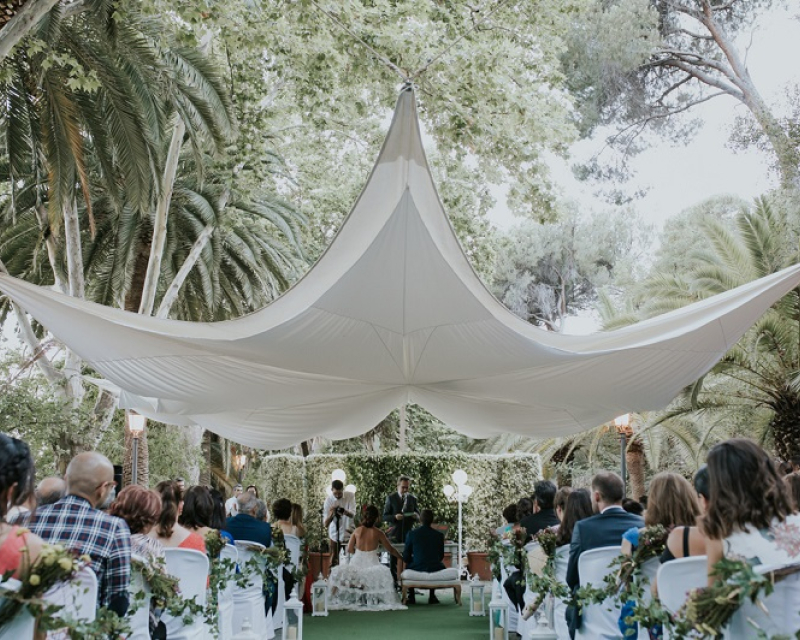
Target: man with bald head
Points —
{"points": [[50, 490], [77, 522]]}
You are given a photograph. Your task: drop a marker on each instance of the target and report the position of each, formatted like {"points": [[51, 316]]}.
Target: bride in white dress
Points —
{"points": [[364, 584]]}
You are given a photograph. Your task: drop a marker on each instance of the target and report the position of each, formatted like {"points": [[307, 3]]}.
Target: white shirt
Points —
{"points": [[232, 507], [348, 502]]}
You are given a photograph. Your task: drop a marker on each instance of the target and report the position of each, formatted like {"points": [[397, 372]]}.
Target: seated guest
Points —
{"points": [[524, 508], [544, 515], [632, 506], [140, 508], [424, 551], [18, 551], [560, 502], [218, 516], [78, 522], [297, 520], [168, 531], [282, 510], [672, 503], [792, 482], [510, 516], [604, 529], [578, 507], [261, 512], [684, 541], [750, 513], [50, 490], [245, 526], [198, 510]]}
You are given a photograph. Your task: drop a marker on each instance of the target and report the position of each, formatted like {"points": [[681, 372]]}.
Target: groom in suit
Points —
{"points": [[424, 551], [394, 509], [604, 529]]}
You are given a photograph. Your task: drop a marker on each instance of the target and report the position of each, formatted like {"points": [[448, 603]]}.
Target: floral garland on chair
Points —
{"points": [[545, 583]]}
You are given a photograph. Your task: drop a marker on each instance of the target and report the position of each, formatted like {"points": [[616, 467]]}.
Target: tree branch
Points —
{"points": [[23, 23]]}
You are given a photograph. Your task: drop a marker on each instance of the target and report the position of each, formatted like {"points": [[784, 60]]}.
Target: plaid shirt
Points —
{"points": [[75, 524]]}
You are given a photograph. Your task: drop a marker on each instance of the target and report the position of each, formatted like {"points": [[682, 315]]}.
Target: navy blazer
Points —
{"points": [[601, 530], [394, 505], [424, 550], [246, 527]]}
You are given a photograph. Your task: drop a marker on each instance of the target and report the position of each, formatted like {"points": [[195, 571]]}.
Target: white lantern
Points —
{"points": [[293, 618], [542, 630], [498, 616], [246, 632], [460, 477], [350, 488], [319, 597], [477, 605], [338, 474], [449, 491]]}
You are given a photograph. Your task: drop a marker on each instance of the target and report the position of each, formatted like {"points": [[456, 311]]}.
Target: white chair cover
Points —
{"points": [[782, 615], [513, 614], [139, 619], [648, 576], [23, 625], [560, 608], [599, 620], [77, 599], [225, 597], [677, 578], [524, 627], [191, 569], [248, 602], [293, 544]]}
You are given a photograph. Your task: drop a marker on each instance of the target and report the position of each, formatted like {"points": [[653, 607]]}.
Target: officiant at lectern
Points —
{"points": [[401, 513]]}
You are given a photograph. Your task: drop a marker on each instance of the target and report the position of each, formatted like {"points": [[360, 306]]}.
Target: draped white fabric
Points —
{"points": [[394, 313]]}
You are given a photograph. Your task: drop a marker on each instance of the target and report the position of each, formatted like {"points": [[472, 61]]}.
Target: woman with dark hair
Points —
{"points": [[218, 515], [524, 508], [297, 520], [253, 489], [168, 531], [364, 584], [198, 510], [510, 516], [578, 507], [282, 512], [18, 550], [750, 513]]}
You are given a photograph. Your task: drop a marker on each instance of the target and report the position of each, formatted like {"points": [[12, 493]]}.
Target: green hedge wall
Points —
{"points": [[497, 481]]}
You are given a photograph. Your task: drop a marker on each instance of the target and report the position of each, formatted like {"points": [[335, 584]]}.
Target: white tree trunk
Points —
{"points": [[175, 286], [77, 289], [160, 222], [23, 23], [194, 442], [52, 249]]}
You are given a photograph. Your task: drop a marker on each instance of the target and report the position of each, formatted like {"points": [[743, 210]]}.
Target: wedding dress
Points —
{"points": [[363, 584]]}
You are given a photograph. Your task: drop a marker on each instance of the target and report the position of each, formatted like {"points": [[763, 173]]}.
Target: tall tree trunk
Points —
{"points": [[635, 459], [174, 288], [785, 425], [160, 222], [193, 436], [77, 288]]}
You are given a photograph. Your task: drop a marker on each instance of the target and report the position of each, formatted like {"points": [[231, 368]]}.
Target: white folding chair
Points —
{"points": [[225, 596], [23, 624], [648, 575], [560, 608], [505, 572], [524, 627], [248, 602], [77, 598], [677, 578], [139, 596], [780, 614], [191, 569], [599, 620]]}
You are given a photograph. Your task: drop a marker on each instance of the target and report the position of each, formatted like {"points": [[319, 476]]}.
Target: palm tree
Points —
{"points": [[758, 380]]}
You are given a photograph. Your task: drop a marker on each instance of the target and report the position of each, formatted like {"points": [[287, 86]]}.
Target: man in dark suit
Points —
{"points": [[604, 529], [424, 551], [245, 526], [395, 508], [543, 517]]}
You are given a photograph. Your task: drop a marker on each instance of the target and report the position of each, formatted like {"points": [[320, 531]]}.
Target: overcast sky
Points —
{"points": [[676, 177]]}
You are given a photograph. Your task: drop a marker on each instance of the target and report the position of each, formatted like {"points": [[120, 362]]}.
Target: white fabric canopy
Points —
{"points": [[394, 313]]}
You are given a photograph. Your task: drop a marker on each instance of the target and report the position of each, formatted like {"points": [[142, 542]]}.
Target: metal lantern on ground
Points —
{"points": [[498, 616], [319, 597], [542, 631], [477, 604], [293, 618]]}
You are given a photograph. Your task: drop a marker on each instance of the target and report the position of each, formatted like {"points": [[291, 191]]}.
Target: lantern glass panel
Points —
{"points": [[291, 625], [477, 606]]}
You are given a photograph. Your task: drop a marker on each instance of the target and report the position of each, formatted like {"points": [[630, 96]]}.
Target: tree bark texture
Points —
{"points": [[636, 462], [23, 23]]}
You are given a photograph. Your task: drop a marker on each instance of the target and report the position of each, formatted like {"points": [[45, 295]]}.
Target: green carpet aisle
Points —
{"points": [[443, 621]]}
